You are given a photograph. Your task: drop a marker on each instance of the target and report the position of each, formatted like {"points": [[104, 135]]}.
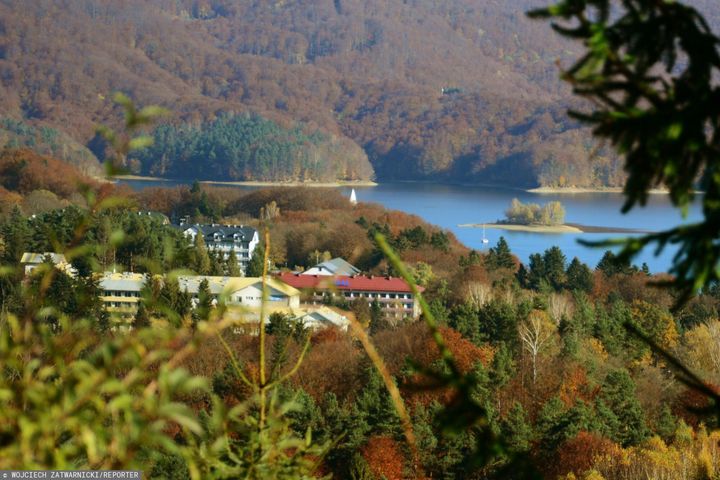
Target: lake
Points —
{"points": [[451, 205]]}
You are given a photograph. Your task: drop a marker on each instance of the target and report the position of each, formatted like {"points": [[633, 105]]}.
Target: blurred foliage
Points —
{"points": [[122, 143], [78, 394]]}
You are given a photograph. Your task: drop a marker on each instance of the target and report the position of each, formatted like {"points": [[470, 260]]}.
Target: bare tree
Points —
{"points": [[560, 305], [478, 293], [535, 333], [270, 211]]}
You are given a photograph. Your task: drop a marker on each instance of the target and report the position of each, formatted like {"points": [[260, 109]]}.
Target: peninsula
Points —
{"points": [[555, 229], [548, 218]]}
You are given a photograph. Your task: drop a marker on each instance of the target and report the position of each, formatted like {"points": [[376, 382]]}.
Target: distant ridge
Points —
{"points": [[452, 90]]}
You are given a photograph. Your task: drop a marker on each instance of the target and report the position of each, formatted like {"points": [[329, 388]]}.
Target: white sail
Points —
{"points": [[484, 240], [353, 197]]}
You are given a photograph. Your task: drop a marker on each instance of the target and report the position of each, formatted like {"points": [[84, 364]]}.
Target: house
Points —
{"points": [[30, 261], [243, 291], [243, 298], [225, 238], [325, 317], [160, 217], [336, 266], [393, 294]]}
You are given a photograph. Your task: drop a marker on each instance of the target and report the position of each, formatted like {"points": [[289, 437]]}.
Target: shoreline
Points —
{"points": [[574, 190], [524, 228], [555, 229], [499, 186], [370, 183], [251, 183], [357, 183], [140, 178]]}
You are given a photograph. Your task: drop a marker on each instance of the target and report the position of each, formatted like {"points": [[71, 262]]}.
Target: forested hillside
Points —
{"points": [[429, 89], [248, 148]]}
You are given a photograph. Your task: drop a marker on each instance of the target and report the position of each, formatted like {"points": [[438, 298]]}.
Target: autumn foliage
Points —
{"points": [[472, 95], [23, 171], [579, 453], [384, 457]]}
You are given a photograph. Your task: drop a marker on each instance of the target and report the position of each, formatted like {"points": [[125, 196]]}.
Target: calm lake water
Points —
{"points": [[451, 205]]}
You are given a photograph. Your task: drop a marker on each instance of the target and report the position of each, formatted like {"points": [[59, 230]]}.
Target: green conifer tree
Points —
{"points": [[503, 366], [255, 266], [579, 276], [142, 318], [535, 273], [217, 262], [202, 264], [554, 263], [666, 424], [618, 393], [374, 405], [610, 264], [517, 429], [500, 256], [498, 322], [16, 234], [232, 267], [204, 304], [378, 321]]}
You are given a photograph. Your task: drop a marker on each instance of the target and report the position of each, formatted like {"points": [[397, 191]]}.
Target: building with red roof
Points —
{"points": [[393, 294]]}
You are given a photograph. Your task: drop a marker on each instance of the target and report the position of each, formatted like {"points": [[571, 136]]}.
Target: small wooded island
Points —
{"points": [[547, 218]]}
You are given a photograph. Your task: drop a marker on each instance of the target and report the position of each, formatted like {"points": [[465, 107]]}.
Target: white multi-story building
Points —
{"points": [[225, 238], [121, 292], [393, 294]]}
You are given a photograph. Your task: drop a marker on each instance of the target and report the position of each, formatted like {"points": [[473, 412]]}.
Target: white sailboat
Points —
{"points": [[353, 197], [484, 240]]}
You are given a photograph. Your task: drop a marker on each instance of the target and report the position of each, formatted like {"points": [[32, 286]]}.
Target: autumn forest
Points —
{"points": [[418, 89]]}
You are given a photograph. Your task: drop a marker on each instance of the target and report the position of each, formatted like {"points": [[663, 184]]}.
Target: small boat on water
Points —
{"points": [[353, 197], [484, 240]]}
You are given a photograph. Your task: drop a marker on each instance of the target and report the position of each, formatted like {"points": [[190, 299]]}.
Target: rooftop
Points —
{"points": [[219, 285], [123, 281], [127, 281], [229, 232], [362, 283], [338, 266], [38, 258]]}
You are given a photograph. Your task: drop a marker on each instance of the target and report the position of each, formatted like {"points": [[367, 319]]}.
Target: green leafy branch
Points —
{"points": [[648, 74], [123, 143]]}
